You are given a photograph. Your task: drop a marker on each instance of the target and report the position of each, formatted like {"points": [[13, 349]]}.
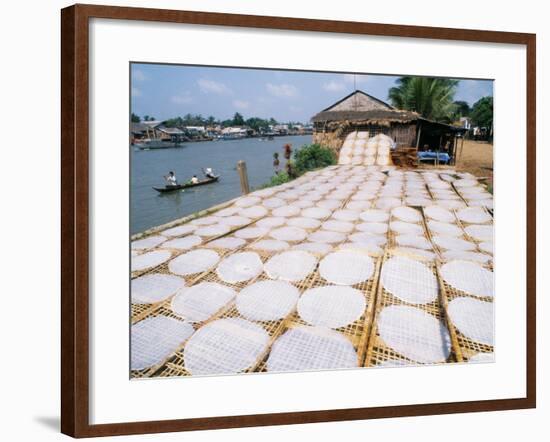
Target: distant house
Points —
{"points": [[234, 133], [360, 111]]}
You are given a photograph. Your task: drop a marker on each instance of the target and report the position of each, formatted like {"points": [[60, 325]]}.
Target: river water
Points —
{"points": [[150, 208]]}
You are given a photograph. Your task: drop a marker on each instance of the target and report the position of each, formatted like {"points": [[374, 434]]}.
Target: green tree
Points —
{"points": [[211, 120], [482, 112], [430, 97], [311, 157], [135, 118], [238, 119], [148, 118], [462, 109]]}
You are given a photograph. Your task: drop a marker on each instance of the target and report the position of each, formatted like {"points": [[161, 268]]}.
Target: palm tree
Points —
{"points": [[430, 97]]}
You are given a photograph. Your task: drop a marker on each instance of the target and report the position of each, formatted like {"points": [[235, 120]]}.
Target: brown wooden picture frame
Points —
{"points": [[75, 219]]}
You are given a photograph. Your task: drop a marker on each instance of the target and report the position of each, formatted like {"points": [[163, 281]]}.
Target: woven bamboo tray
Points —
{"points": [[466, 346], [377, 351], [358, 331], [175, 365]]}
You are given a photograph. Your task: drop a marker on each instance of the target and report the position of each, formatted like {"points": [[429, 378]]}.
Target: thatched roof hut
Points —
{"points": [[363, 112]]}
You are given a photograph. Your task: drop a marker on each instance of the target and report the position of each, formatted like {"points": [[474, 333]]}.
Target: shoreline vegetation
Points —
{"points": [[304, 159]]}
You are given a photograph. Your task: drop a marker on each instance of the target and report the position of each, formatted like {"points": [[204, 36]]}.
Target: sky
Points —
{"points": [[167, 91]]}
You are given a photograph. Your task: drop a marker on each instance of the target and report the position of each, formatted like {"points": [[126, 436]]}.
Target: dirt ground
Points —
{"points": [[476, 158]]}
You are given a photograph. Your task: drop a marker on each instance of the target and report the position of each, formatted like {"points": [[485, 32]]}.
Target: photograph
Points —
{"points": [[291, 220]]}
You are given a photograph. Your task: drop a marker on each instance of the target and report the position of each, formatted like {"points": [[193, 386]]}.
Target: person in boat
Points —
{"points": [[208, 172], [171, 180], [194, 180]]}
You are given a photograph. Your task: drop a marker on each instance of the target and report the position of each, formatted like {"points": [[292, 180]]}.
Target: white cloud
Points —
{"points": [[136, 92], [241, 104], [282, 90], [181, 99], [138, 75], [334, 86], [215, 87]]}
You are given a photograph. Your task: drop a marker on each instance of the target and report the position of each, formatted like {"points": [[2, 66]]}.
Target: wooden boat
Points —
{"points": [[186, 185]]}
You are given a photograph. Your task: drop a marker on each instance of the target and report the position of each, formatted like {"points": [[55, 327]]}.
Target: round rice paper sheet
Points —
{"points": [[346, 215], [346, 267], [273, 203], [248, 201], [267, 300], [272, 221], [465, 183], [202, 301], [451, 204], [313, 247], [153, 288], [225, 346], [285, 211], [344, 159], [387, 203], [325, 236], [363, 247], [474, 215], [330, 204], [374, 215], [407, 214], [289, 234], [303, 204], [461, 255], [195, 261], [213, 230], [451, 243], [251, 232], [414, 334], [304, 223], [291, 266], [239, 267], [406, 228], [473, 318], [148, 243], [150, 259], [337, 226], [179, 230], [235, 221], [374, 228], [228, 243], [185, 243], [414, 201], [311, 348], [270, 245], [416, 252], [331, 306], [369, 160], [316, 212], [205, 220], [468, 277], [445, 229], [409, 280], [368, 238], [480, 233], [418, 242], [382, 160], [228, 211], [253, 212], [154, 339]]}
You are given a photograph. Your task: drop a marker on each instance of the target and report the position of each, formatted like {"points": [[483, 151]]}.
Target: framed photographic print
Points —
{"points": [[273, 220]]}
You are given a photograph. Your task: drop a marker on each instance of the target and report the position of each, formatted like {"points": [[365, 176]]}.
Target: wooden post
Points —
{"points": [[243, 175], [418, 141]]}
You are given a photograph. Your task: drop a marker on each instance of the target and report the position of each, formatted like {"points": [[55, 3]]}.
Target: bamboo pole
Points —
{"points": [[243, 176]]}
